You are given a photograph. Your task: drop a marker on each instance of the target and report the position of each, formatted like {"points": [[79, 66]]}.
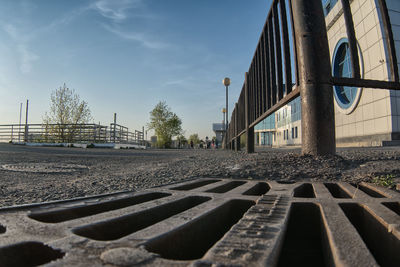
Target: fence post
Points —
{"points": [[317, 112], [237, 137], [249, 130]]}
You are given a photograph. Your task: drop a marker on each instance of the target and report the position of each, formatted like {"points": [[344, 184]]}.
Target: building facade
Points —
{"points": [[363, 116]]}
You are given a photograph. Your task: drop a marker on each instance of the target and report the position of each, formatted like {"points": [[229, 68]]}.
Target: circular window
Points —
{"points": [[346, 97]]}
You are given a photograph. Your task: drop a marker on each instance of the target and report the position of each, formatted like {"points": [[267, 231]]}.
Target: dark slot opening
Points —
{"points": [[305, 190], [194, 239], [66, 214], [195, 185], [2, 229], [258, 190], [285, 182], [305, 242], [368, 191], [125, 225], [28, 254], [226, 187], [394, 206], [383, 245], [336, 191]]}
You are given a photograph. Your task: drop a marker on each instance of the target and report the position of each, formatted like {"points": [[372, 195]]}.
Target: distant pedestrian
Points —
{"points": [[191, 144]]}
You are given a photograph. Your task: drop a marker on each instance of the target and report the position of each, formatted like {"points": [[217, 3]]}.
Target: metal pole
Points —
{"points": [[226, 114], [317, 112], [249, 130], [19, 128], [237, 138], [115, 125], [26, 121]]}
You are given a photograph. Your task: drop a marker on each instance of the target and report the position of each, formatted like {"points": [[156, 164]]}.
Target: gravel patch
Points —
{"points": [[37, 174]]}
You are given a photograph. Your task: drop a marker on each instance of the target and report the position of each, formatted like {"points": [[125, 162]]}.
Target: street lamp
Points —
{"points": [[226, 81]]}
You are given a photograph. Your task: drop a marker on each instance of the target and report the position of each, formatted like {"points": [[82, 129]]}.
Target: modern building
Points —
{"points": [[219, 130], [363, 116]]}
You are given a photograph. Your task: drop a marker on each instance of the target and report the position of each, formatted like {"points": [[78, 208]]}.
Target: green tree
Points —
{"points": [[165, 123], [181, 140], [67, 111], [195, 138]]}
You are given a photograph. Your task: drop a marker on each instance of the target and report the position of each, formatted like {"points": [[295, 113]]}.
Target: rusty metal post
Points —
{"points": [[317, 112], [26, 122], [249, 130], [237, 136]]}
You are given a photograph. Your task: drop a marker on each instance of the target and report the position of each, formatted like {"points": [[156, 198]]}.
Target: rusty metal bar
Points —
{"points": [[394, 70], [296, 66], [317, 112], [237, 138], [272, 60], [249, 130], [278, 52], [351, 35], [342, 81], [263, 72], [286, 47], [256, 82], [267, 68]]}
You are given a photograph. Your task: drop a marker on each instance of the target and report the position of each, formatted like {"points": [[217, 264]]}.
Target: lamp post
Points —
{"points": [[223, 118], [226, 81]]}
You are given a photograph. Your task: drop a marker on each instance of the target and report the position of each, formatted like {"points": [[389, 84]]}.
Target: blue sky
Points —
{"points": [[125, 56]]}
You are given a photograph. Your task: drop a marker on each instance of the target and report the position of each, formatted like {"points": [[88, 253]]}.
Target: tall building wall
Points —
{"points": [[394, 14], [368, 120]]}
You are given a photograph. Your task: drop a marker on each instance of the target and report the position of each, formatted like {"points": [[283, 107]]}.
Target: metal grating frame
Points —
{"points": [[210, 221]]}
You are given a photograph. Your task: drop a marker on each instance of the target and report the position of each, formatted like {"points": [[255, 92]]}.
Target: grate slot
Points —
{"points": [[258, 190], [285, 182], [125, 225], [62, 215], [305, 190], [393, 206], [2, 229], [195, 185], [226, 187], [28, 254], [305, 242], [194, 239], [369, 191], [383, 245], [336, 191]]}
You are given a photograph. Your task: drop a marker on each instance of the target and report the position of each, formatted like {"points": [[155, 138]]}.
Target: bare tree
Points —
{"points": [[67, 111]]}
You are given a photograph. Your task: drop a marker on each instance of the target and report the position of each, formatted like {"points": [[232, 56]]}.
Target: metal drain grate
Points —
{"points": [[210, 221]]}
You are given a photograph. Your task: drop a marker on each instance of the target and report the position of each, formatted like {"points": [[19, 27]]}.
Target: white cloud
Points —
{"points": [[26, 56], [116, 10], [135, 36]]}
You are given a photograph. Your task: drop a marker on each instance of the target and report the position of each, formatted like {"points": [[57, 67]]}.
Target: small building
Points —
{"points": [[219, 130]]}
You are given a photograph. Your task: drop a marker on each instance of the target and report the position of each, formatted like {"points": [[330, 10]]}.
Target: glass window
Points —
{"points": [[328, 5], [344, 95]]}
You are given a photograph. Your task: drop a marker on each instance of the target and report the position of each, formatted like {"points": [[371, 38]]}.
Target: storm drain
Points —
{"points": [[208, 222]]}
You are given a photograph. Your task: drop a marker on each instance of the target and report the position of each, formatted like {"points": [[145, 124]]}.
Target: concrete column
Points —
{"points": [[317, 111], [249, 131]]}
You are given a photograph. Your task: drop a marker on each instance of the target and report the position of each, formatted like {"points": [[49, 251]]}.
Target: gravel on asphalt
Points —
{"points": [[38, 174]]}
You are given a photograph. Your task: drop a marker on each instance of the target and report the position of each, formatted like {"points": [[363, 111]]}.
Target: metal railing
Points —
{"points": [[69, 133], [294, 38]]}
